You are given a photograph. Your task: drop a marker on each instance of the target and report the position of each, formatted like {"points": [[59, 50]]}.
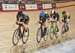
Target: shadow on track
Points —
{"points": [[18, 49]]}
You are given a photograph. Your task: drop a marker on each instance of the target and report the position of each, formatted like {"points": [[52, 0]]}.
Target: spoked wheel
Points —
{"points": [[25, 36], [15, 38], [39, 35], [46, 35]]}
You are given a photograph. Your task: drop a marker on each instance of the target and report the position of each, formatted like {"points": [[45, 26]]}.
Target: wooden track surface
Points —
{"points": [[7, 27]]}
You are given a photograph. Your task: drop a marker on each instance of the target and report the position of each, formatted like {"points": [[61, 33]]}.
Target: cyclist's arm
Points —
{"points": [[68, 15], [48, 17], [40, 21], [51, 20], [18, 20], [17, 17], [40, 18]]}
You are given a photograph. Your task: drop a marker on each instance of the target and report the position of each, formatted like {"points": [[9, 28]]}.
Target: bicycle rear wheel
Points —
{"points": [[25, 36], [39, 35], [15, 38]]}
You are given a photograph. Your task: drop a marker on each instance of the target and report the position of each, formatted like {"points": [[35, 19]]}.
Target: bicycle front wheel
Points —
{"points": [[25, 36], [39, 35], [15, 38]]}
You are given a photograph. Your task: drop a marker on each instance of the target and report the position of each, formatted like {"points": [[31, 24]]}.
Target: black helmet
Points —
{"points": [[63, 12], [20, 13]]}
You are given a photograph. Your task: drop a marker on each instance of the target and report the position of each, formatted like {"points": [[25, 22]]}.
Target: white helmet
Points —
{"points": [[52, 11], [46, 12]]}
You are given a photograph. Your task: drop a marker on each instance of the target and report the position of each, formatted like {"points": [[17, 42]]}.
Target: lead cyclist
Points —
{"points": [[22, 20]]}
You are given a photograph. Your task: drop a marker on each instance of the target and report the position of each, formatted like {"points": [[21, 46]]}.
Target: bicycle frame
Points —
{"points": [[42, 31]]}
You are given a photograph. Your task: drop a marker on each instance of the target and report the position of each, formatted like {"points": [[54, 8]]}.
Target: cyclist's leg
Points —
{"points": [[54, 27], [21, 28], [56, 24], [45, 27], [57, 29], [25, 26], [67, 27], [63, 27], [68, 22]]}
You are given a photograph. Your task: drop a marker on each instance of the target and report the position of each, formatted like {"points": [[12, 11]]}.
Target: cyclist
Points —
{"points": [[65, 18], [55, 17], [22, 20], [44, 16]]}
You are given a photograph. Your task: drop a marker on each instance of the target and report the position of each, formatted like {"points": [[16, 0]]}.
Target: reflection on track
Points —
{"points": [[4, 28], [30, 47], [25, 49], [18, 49]]}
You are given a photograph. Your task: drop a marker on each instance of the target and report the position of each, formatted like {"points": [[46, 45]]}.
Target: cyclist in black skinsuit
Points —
{"points": [[44, 16], [22, 20], [54, 15]]}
